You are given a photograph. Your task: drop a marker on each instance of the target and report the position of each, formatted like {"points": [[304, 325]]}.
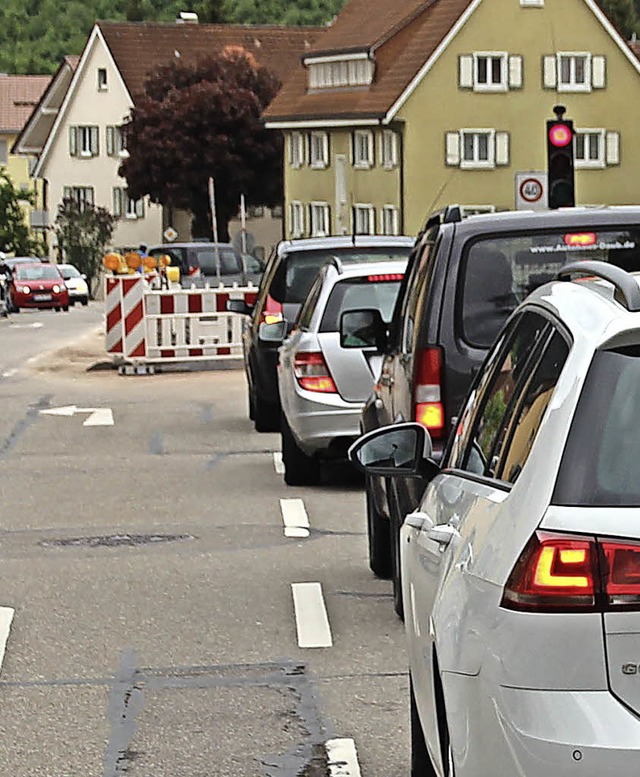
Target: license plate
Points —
{"points": [[42, 297]]}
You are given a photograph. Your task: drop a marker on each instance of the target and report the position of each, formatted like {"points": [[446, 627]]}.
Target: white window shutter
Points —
{"points": [[502, 148], [140, 208], [549, 72], [465, 71], [613, 148], [598, 72], [94, 141], [111, 141], [453, 148], [515, 72], [73, 142]]}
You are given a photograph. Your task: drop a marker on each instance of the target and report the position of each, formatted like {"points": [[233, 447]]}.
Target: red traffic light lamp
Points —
{"points": [[560, 177]]}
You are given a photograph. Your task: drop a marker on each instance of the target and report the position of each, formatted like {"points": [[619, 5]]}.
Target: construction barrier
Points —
{"points": [[155, 326]]}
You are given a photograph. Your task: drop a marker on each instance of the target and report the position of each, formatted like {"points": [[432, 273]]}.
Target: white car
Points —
{"points": [[76, 283], [521, 568]]}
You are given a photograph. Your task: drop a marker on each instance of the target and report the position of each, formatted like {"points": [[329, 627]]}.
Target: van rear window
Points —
{"points": [[500, 271], [359, 293]]}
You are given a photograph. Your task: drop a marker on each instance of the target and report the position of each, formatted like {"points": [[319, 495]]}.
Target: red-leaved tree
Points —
{"points": [[200, 121]]}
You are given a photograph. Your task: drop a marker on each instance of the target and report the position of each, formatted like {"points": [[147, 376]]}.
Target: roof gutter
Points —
{"points": [[283, 124]]}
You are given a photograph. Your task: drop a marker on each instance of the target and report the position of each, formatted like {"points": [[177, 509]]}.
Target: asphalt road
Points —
{"points": [[153, 600]]}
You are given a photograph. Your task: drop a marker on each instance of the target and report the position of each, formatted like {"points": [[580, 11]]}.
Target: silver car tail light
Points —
{"points": [[312, 372]]}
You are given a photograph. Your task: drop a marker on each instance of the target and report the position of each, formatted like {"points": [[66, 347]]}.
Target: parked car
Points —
{"points": [[288, 275], [213, 263], [328, 364], [38, 286], [76, 283], [12, 261], [520, 567], [463, 281]]}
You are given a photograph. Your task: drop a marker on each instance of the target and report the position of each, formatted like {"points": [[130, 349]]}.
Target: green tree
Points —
{"points": [[200, 121], [14, 232], [84, 232], [623, 14]]}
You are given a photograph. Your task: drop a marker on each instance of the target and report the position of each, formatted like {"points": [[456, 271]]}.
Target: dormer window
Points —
{"points": [[340, 72], [102, 79]]}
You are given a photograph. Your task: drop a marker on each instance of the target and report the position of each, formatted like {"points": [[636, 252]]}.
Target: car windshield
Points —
{"points": [[601, 461], [229, 261], [303, 266], [37, 272], [69, 271], [356, 293], [500, 271]]}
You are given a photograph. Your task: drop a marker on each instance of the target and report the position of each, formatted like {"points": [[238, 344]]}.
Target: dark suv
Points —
{"points": [[287, 278], [464, 279], [201, 262]]}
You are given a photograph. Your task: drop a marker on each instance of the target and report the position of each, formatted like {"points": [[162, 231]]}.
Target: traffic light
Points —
{"points": [[560, 178]]}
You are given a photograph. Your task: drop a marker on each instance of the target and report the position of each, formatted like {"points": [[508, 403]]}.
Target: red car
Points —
{"points": [[38, 286]]}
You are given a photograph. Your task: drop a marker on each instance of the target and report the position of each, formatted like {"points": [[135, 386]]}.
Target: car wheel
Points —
{"points": [[66, 308], [397, 571], [57, 310], [85, 301], [421, 765], [379, 535], [265, 416], [299, 468]]}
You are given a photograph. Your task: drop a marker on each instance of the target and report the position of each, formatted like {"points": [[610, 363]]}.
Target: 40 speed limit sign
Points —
{"points": [[531, 191]]}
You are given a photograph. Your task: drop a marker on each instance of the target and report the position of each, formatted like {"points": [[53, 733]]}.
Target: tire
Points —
{"points": [[57, 310], [85, 301], [66, 308], [266, 418], [379, 536], [396, 577], [299, 468], [421, 765]]}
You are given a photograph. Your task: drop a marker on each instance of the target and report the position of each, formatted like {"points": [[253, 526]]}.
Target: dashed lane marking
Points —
{"points": [[342, 758], [312, 621], [278, 464], [9, 373], [6, 617], [294, 517]]}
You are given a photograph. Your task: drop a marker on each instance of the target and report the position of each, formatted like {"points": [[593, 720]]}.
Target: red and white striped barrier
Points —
{"points": [[149, 326]]}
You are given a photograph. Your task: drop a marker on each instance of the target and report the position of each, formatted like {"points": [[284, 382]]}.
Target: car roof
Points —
{"points": [[561, 218], [344, 241]]}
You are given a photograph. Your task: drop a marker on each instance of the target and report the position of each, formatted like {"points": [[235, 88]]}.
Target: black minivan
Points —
{"points": [[464, 279]]}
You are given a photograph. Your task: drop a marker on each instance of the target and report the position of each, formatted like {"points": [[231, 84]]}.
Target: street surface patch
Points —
{"points": [[115, 540]]}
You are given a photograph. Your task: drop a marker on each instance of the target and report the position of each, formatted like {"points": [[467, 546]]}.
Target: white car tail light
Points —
{"points": [[558, 572], [312, 372], [427, 397]]}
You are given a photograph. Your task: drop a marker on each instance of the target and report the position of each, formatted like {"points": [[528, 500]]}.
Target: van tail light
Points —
{"points": [[561, 572], [427, 397], [272, 312], [312, 372]]}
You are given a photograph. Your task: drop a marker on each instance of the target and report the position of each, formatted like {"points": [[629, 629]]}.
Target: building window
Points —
{"points": [[532, 3], [596, 148], [116, 142], [81, 195], [389, 220], [490, 71], [83, 141], [362, 148], [126, 207], [319, 219], [3, 152], [364, 220], [477, 148], [389, 149], [318, 150], [296, 149], [102, 79], [328, 73], [574, 71], [297, 219]]}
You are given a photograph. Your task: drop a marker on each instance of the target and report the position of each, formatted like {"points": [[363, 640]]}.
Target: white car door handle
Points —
{"points": [[419, 521], [442, 533]]}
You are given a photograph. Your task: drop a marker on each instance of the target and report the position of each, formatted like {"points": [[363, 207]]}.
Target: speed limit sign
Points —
{"points": [[531, 191]]}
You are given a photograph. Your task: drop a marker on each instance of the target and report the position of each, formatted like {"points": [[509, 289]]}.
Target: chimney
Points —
{"points": [[187, 17]]}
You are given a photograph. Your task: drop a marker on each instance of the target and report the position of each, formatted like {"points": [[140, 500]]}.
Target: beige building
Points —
{"points": [[18, 97], [400, 109], [81, 149]]}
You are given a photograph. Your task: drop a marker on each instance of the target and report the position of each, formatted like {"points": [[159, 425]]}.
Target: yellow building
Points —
{"points": [[18, 97], [400, 109]]}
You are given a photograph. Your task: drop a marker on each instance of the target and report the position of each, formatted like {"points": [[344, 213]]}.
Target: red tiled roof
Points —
{"points": [[139, 48], [401, 50], [18, 97]]}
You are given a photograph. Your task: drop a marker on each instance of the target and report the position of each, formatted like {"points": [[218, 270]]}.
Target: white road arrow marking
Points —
{"points": [[6, 616], [98, 416]]}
